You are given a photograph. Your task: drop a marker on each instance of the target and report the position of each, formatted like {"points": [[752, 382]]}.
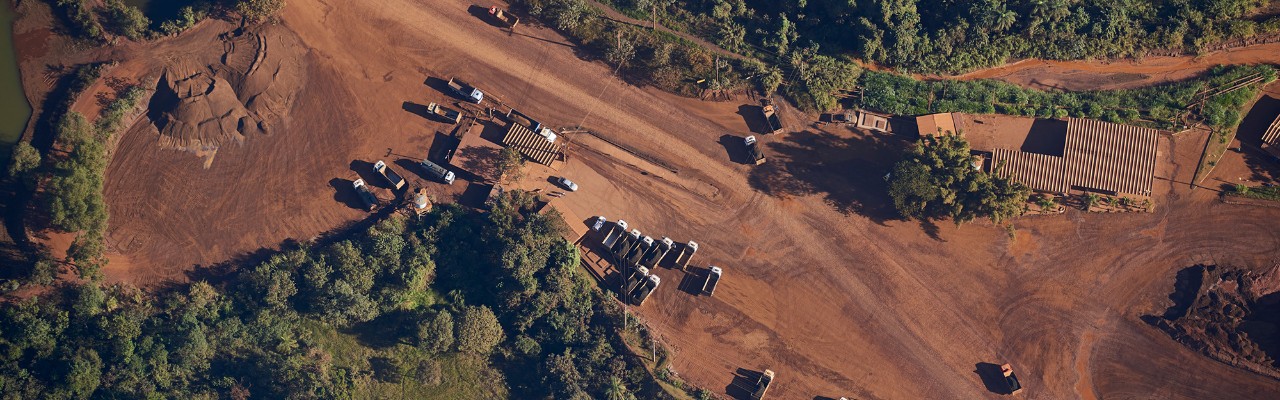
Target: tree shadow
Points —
{"points": [[443, 148], [932, 229], [345, 193], [991, 377], [385, 331], [848, 171]]}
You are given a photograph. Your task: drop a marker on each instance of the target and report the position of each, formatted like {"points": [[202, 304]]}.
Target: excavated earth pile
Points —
{"points": [[1228, 313], [205, 101]]}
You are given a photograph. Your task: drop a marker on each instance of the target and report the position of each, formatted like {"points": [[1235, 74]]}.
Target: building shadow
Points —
{"points": [[443, 148], [1256, 122], [848, 172], [991, 377], [492, 132], [753, 115], [1047, 136], [345, 193]]}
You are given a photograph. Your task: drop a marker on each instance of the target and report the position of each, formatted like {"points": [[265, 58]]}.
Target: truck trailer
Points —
{"points": [[390, 175], [641, 293], [753, 149], [762, 385], [1010, 379], [656, 253], [504, 17], [686, 254], [634, 280], [466, 90], [637, 252], [713, 278], [771, 119], [444, 113], [616, 231], [366, 196], [437, 172]]}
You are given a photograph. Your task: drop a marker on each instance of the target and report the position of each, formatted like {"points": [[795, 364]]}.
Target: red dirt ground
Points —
{"points": [[821, 285]]}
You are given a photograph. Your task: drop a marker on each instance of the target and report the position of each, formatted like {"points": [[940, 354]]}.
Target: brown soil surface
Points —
{"points": [[821, 285], [1121, 74]]}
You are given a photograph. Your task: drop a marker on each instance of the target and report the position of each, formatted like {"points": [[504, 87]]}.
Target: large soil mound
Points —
{"points": [[1228, 313], [243, 87]]}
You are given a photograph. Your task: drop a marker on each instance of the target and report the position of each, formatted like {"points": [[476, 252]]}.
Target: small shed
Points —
{"points": [[934, 124]]}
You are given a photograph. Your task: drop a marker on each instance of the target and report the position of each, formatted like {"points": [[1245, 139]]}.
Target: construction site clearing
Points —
{"points": [[823, 272]]}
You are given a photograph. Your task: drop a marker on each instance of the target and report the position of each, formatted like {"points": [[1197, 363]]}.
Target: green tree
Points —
{"points": [[509, 165], [617, 391], [937, 179], [257, 10], [25, 158], [436, 335], [125, 20], [478, 331]]}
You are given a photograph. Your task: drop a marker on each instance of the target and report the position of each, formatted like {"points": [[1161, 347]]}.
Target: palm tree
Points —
{"points": [[617, 391]]}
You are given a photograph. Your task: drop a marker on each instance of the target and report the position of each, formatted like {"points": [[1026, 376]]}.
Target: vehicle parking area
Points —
{"points": [[822, 284]]}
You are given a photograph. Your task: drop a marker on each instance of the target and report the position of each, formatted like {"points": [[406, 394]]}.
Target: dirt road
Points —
{"points": [[820, 285]]}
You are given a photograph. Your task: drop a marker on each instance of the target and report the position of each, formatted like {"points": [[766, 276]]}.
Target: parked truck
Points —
{"points": [[504, 17], [466, 90], [762, 385], [656, 253], [616, 231], [624, 245], [634, 280], [366, 196], [444, 113], [642, 293], [771, 119], [753, 149], [1010, 379], [713, 278], [637, 252], [686, 254], [391, 176], [437, 172]]}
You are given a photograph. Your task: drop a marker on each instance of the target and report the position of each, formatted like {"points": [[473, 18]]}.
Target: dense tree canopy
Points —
{"points": [[937, 179], [514, 302]]}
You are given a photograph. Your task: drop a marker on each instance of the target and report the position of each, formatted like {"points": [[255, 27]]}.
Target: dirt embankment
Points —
{"points": [[1228, 313]]}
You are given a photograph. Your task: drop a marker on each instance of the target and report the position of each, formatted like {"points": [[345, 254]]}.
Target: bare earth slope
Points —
{"points": [[819, 285]]}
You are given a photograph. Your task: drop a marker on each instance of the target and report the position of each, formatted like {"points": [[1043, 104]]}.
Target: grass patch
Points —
{"points": [[1255, 192], [404, 371]]}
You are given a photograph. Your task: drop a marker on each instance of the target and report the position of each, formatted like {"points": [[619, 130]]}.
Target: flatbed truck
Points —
{"points": [[466, 90], [390, 175]]}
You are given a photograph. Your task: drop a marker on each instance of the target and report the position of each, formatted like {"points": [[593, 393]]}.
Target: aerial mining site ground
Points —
{"points": [[823, 284]]}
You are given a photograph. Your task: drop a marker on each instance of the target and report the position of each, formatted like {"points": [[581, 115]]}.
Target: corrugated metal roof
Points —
{"points": [[1110, 157], [530, 144], [1272, 135], [1037, 171]]}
